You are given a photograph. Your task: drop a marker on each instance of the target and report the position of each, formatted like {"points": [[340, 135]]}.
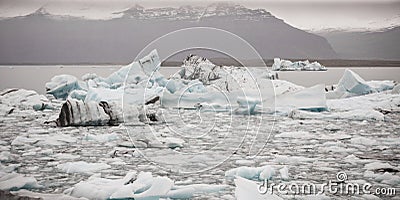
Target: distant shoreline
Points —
{"points": [[229, 62]]}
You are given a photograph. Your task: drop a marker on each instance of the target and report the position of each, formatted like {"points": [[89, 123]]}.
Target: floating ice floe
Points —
{"points": [[284, 172], [15, 181], [379, 166], [247, 189], [5, 156], [254, 173], [296, 134], [82, 167], [43, 140], [142, 186], [287, 65], [351, 84], [377, 101], [22, 99], [35, 195], [311, 99], [388, 178], [101, 137], [283, 159], [366, 107], [356, 114], [172, 142]]}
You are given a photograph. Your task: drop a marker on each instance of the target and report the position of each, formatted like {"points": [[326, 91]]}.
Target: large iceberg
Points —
{"points": [[80, 113], [351, 84], [287, 65], [135, 76], [121, 97], [225, 78]]}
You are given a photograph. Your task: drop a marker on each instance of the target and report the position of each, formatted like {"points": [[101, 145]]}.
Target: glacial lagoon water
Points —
{"points": [[313, 150], [35, 76]]}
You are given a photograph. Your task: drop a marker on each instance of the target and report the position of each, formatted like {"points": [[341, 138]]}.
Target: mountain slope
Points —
{"points": [[42, 38], [366, 45]]}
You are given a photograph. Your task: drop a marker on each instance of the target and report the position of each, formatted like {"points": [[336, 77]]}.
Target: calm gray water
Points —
{"points": [[35, 77]]}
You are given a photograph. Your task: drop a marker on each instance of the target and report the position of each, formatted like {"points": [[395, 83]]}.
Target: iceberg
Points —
{"points": [[284, 172], [132, 79], [254, 173], [100, 188], [377, 101], [34, 195], [287, 65], [79, 113], [15, 181], [199, 84], [23, 100], [102, 138], [61, 85], [351, 84], [77, 94], [359, 115], [43, 140], [388, 178], [99, 101], [247, 189], [6, 110], [142, 186], [188, 191], [82, 167], [396, 89], [270, 96], [251, 90], [311, 99], [224, 78]]}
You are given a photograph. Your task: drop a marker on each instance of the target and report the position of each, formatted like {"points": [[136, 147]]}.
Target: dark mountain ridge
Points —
{"points": [[41, 37]]}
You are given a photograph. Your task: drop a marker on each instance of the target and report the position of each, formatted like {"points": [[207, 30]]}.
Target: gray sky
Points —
{"points": [[310, 14]]}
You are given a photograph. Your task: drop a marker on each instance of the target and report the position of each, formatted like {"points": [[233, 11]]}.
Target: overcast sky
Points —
{"points": [[310, 14]]}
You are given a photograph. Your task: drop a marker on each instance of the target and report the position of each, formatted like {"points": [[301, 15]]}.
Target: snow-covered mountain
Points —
{"points": [[195, 12], [43, 37]]}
